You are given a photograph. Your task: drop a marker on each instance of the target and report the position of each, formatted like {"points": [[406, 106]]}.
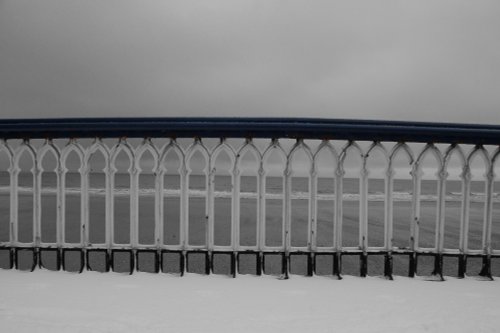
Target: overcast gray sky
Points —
{"points": [[403, 60]]}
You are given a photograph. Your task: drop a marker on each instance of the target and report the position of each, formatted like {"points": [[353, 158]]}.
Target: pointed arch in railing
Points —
{"points": [[275, 149], [170, 182], [325, 196], [356, 194], [147, 192], [90, 192], [47, 190], [199, 189], [430, 191], [222, 181], [401, 198], [31, 190], [73, 148], [249, 191]]}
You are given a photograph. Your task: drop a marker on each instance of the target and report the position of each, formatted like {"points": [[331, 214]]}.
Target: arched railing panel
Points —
{"points": [[147, 220], [274, 229], [198, 206], [173, 196], [430, 177], [97, 196], [454, 164], [301, 174], [376, 162], [73, 228], [26, 225], [326, 164], [479, 187], [248, 195], [222, 178], [352, 225], [48, 159]]}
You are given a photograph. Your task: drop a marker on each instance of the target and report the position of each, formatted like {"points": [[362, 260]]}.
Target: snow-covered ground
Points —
{"points": [[45, 301]]}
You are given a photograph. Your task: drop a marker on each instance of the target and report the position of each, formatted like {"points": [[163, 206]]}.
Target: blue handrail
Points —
{"points": [[306, 128]]}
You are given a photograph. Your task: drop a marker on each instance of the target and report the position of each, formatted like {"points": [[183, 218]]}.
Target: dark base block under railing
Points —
{"points": [[33, 258]]}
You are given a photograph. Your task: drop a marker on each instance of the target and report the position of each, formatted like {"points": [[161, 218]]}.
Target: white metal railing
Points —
{"points": [[160, 156]]}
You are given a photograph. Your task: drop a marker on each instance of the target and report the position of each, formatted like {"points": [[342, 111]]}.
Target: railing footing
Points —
{"points": [[486, 268], [438, 266], [337, 265], [388, 266], [462, 266], [363, 265], [412, 269]]}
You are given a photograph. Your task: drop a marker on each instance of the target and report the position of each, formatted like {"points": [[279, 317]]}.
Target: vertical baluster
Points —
{"points": [[388, 223], [60, 183], [210, 181], [464, 215], [134, 171], [84, 172], [363, 218], [287, 212], [467, 176], [235, 217], [261, 210], [184, 213], [339, 179], [313, 220], [134, 202], [37, 212], [36, 206], [488, 207], [14, 172], [109, 171], [416, 175], [61, 227], [439, 241], [209, 204], [159, 173]]}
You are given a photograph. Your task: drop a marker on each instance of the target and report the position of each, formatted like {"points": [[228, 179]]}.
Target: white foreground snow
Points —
{"points": [[45, 301]]}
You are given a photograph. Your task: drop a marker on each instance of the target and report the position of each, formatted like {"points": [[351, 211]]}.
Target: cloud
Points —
{"points": [[425, 60]]}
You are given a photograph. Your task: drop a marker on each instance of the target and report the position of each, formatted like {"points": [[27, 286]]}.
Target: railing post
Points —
{"points": [[261, 222], [464, 218], [37, 211], [467, 176], [363, 219], [337, 264], [60, 185], [488, 207], [210, 179], [159, 217], [287, 185], [235, 219], [313, 223], [439, 240], [109, 171], [388, 222], [184, 216], [84, 210], [415, 221]]}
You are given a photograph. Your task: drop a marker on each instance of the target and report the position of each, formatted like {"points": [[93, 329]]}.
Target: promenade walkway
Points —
{"points": [[44, 301]]}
